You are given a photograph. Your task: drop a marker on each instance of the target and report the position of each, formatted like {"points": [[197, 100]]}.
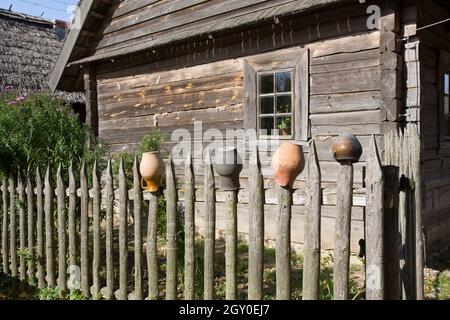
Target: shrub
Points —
{"points": [[38, 129]]}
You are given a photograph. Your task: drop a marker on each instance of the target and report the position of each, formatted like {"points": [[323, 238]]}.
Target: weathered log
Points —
{"points": [[189, 232]]}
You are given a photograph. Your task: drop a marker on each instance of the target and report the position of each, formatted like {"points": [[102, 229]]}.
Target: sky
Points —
{"points": [[52, 9]]}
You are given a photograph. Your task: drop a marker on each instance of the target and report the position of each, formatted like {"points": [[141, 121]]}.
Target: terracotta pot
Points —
{"points": [[288, 162], [152, 170], [228, 165], [347, 148]]}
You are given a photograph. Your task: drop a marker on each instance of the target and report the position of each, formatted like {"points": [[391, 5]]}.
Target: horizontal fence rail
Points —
{"points": [[98, 234]]}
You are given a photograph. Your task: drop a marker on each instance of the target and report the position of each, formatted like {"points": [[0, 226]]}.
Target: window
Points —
{"points": [[444, 102], [277, 94], [275, 103], [446, 91]]}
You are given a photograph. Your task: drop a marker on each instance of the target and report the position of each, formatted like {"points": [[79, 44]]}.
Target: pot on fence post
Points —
{"points": [[228, 165], [152, 169], [288, 162], [346, 151]]}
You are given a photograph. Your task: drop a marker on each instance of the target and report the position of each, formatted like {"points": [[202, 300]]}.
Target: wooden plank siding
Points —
{"points": [[207, 84], [436, 153]]}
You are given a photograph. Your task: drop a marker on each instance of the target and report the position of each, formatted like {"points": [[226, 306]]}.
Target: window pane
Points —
{"points": [[266, 84], [446, 105], [268, 125], [267, 105], [283, 81], [447, 126], [447, 84], [284, 125], [284, 104]]}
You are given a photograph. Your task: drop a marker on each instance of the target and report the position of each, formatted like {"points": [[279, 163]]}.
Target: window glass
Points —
{"points": [[266, 84], [275, 103]]}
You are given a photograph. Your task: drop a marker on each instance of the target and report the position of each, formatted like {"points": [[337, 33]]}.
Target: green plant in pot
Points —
{"points": [[284, 125], [152, 166]]}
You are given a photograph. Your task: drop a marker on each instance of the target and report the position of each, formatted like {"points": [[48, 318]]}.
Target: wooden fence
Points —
{"points": [[68, 231]]}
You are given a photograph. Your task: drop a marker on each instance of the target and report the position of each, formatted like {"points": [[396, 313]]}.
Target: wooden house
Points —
{"points": [[168, 63]]}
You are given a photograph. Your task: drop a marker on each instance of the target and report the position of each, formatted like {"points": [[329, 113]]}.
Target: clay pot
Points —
{"points": [[288, 162], [152, 170], [347, 149], [228, 165]]}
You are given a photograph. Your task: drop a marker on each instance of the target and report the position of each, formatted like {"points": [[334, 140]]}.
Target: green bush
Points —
{"points": [[39, 129]]}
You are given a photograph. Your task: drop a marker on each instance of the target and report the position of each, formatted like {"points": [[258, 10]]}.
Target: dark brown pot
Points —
{"points": [[288, 162], [347, 148]]}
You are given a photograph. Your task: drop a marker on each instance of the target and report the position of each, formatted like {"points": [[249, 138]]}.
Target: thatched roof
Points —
{"points": [[29, 49]]}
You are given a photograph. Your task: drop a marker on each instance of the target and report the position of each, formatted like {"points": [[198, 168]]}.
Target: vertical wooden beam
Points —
{"points": [[22, 235], [123, 233], [49, 229], [392, 281], [109, 231], [31, 228], [90, 88], [374, 225], [96, 232], [416, 165], [61, 195], [283, 243], [84, 231], [12, 226], [256, 229], [342, 236], [171, 247], [152, 247], [40, 229], [5, 222], [137, 199], [231, 199], [210, 228], [311, 270], [189, 232], [72, 217]]}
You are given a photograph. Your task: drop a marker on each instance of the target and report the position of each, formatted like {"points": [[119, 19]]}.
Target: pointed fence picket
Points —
{"points": [[68, 236]]}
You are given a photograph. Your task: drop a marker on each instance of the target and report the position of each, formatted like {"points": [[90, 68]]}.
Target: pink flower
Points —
{"points": [[12, 102], [9, 88], [20, 98]]}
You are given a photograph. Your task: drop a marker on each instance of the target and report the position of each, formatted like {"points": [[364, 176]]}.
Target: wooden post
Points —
{"points": [[84, 230], [231, 245], [90, 91], [40, 229], [31, 228], [72, 217], [152, 247], [49, 231], [5, 254], [374, 225], [96, 233], [210, 228], [392, 280], [283, 243], [109, 231], [342, 239], [137, 193], [171, 247], [416, 164], [123, 233], [256, 229], [311, 265], [22, 235], [12, 226], [189, 232], [61, 194]]}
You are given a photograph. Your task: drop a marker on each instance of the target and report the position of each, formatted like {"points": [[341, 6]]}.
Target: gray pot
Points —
{"points": [[228, 166]]}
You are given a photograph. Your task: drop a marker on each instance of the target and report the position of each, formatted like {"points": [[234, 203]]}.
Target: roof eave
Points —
{"points": [[74, 33]]}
